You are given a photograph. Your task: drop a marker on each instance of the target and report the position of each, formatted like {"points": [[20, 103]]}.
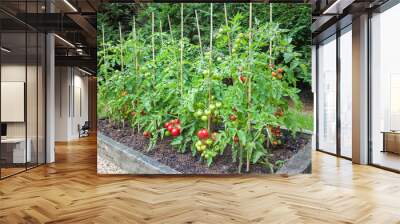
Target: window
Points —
{"points": [[385, 89], [327, 95]]}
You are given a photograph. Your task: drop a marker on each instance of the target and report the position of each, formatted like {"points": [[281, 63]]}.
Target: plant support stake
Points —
{"points": [[181, 78], [199, 34], [210, 65], [135, 46], [228, 34], [122, 55], [249, 152]]}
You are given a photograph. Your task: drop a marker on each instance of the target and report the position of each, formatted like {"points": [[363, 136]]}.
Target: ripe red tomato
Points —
{"points": [[273, 74], [279, 76], [147, 134], [243, 78], [177, 121], [236, 139], [166, 125], [170, 127], [280, 70], [202, 134], [176, 131], [232, 117]]}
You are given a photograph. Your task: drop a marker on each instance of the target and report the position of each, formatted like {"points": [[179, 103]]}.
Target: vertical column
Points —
{"points": [[314, 89], [360, 90], [50, 93]]}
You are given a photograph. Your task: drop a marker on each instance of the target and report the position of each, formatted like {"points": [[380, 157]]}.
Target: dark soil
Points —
{"points": [[186, 163]]}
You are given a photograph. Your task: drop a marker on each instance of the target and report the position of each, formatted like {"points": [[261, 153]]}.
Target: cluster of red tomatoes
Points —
{"points": [[276, 132], [278, 74], [173, 128], [279, 112]]}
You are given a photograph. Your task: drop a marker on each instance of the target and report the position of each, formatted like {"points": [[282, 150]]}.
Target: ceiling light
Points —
{"points": [[64, 40], [70, 5], [338, 6], [84, 71], [5, 50]]}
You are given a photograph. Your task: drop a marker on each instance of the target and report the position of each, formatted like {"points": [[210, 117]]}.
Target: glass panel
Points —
{"points": [[346, 92], [31, 98], [385, 84], [327, 95], [13, 86]]}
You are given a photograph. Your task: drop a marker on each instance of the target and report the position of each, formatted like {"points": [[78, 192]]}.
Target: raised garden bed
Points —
{"points": [[127, 149]]}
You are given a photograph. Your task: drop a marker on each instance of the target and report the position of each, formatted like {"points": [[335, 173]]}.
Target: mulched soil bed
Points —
{"points": [[185, 163]]}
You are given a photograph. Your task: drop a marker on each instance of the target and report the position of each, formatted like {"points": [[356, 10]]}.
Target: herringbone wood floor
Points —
{"points": [[70, 191]]}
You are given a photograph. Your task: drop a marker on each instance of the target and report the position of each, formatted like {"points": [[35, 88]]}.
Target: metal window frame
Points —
{"points": [[339, 32]]}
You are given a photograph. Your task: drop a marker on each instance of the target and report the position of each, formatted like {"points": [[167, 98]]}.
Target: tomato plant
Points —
{"points": [[232, 94]]}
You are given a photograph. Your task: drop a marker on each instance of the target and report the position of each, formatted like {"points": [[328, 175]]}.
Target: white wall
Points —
{"points": [[71, 93]]}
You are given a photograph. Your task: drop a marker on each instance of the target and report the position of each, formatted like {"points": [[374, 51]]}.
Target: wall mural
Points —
{"points": [[204, 88]]}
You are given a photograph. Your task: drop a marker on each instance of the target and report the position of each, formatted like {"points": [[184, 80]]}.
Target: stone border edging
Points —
{"points": [[119, 154]]}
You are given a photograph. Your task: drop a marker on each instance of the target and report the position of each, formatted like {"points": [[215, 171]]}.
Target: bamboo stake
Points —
{"points": [[210, 65], [199, 34], [181, 78], [249, 82], [170, 26], [152, 37], [162, 43], [229, 36], [135, 46], [270, 42], [122, 56], [104, 44]]}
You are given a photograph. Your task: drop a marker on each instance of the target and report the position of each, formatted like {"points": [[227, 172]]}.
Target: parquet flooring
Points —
{"points": [[70, 191]]}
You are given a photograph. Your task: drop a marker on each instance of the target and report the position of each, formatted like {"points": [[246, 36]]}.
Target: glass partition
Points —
{"points": [[14, 153], [327, 95], [22, 77]]}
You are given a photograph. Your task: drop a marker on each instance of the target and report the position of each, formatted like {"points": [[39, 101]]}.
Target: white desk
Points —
{"points": [[18, 144]]}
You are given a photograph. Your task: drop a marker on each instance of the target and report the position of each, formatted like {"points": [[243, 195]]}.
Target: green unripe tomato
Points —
{"points": [[218, 104], [207, 156], [216, 77], [209, 142], [207, 112], [203, 147], [204, 118], [198, 113], [212, 107], [219, 59], [167, 133], [198, 143], [212, 97], [198, 148]]}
